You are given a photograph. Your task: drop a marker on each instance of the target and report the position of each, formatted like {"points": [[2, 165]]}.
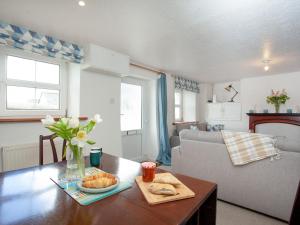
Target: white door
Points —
{"points": [[131, 118]]}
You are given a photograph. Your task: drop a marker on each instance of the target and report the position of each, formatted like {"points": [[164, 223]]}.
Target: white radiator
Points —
{"points": [[26, 155]]}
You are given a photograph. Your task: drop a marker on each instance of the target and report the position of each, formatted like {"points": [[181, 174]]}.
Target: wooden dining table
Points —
{"points": [[29, 197]]}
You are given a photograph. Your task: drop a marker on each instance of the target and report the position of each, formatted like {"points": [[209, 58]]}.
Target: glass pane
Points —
{"points": [[177, 98], [47, 99], [47, 73], [189, 106], [131, 107], [31, 98], [177, 113], [20, 69], [20, 97]]}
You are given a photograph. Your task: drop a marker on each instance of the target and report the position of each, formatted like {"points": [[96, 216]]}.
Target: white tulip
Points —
{"points": [[48, 121], [97, 118], [65, 120], [73, 122], [80, 139]]}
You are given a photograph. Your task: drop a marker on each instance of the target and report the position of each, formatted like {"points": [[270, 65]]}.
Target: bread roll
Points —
{"points": [[162, 189], [166, 180]]}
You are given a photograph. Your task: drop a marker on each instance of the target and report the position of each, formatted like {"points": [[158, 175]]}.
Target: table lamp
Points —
{"points": [[229, 88]]}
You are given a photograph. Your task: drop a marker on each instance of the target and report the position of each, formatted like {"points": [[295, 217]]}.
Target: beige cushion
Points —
{"points": [[180, 127], [204, 136]]}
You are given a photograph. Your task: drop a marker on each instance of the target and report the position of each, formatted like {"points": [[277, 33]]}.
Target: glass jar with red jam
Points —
{"points": [[148, 170]]}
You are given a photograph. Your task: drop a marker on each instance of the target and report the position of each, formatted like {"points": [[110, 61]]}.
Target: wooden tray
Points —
{"points": [[182, 190]]}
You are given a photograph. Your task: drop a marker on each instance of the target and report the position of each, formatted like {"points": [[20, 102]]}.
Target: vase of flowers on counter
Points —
{"points": [[76, 136], [277, 98]]}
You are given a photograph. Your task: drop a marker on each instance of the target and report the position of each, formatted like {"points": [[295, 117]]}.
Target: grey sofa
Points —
{"points": [[265, 186], [174, 139]]}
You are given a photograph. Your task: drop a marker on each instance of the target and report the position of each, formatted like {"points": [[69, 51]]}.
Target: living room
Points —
{"points": [[207, 91]]}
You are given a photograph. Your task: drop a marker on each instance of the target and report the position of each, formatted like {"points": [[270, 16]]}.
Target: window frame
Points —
{"points": [[180, 105], [180, 91], [4, 82]]}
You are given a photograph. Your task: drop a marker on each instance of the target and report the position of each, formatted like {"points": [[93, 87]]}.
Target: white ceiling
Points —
{"points": [[210, 40]]}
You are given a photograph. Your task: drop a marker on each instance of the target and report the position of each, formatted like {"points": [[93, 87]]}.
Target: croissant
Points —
{"points": [[101, 182], [97, 176]]}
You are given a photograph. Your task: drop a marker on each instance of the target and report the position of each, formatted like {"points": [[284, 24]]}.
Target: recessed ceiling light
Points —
{"points": [[81, 3], [266, 63], [266, 68]]}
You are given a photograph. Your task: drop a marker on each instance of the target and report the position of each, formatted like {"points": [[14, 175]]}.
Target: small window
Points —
{"points": [[131, 107], [25, 73], [30, 87], [178, 106], [185, 106], [189, 106]]}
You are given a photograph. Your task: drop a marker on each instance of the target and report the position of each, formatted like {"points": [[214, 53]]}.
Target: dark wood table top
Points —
{"points": [[29, 196]]}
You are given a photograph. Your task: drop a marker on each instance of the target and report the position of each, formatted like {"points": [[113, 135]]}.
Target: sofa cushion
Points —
{"points": [[204, 136], [174, 141], [288, 145], [283, 144], [183, 126], [202, 126]]}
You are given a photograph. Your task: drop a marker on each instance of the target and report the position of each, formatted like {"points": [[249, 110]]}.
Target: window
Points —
{"points": [[178, 106], [30, 86], [131, 107], [185, 105]]}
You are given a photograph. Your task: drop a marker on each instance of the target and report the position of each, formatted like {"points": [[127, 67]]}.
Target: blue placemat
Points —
{"points": [[86, 198]]}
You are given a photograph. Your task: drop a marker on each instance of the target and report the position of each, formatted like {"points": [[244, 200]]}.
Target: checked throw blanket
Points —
{"points": [[246, 147]]}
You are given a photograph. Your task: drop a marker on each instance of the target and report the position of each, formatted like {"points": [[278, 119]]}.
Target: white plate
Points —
{"points": [[97, 190]]}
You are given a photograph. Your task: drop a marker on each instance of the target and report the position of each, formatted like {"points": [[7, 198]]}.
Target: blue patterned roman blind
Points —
{"points": [[186, 84], [22, 38]]}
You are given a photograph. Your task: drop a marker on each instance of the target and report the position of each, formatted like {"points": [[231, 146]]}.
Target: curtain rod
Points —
{"points": [[145, 68]]}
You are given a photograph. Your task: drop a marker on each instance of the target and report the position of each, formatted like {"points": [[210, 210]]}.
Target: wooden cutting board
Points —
{"points": [[183, 191]]}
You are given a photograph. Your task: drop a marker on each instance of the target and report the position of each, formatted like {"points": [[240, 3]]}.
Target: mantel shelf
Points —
{"points": [[273, 114], [260, 118], [30, 119]]}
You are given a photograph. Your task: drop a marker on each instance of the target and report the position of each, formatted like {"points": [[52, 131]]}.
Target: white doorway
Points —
{"points": [[132, 95]]}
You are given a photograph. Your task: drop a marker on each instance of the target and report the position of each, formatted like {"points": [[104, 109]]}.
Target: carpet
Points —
{"points": [[228, 214]]}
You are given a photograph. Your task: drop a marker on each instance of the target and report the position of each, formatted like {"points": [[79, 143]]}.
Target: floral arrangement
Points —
{"points": [[277, 98], [74, 133]]}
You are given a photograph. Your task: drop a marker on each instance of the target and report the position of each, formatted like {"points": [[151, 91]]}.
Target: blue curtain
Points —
{"points": [[164, 155]]}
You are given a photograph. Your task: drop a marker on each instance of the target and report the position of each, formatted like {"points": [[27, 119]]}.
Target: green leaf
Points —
{"points": [[90, 142], [89, 127], [65, 151]]}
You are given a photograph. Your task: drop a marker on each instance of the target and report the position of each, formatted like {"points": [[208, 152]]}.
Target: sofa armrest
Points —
{"points": [[174, 141]]}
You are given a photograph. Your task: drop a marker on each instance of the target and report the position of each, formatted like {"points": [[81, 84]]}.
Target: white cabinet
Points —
{"points": [[224, 111], [99, 59]]}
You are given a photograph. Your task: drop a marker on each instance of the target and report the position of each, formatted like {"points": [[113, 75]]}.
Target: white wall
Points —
{"points": [[205, 94], [225, 96], [74, 90], [150, 137], [253, 92], [20, 133], [100, 93]]}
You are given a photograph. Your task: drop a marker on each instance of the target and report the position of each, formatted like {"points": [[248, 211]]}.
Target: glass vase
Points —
{"points": [[277, 108], [75, 163]]}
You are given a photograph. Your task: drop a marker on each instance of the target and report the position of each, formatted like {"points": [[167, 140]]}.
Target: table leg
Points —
{"points": [[206, 214], [208, 211]]}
